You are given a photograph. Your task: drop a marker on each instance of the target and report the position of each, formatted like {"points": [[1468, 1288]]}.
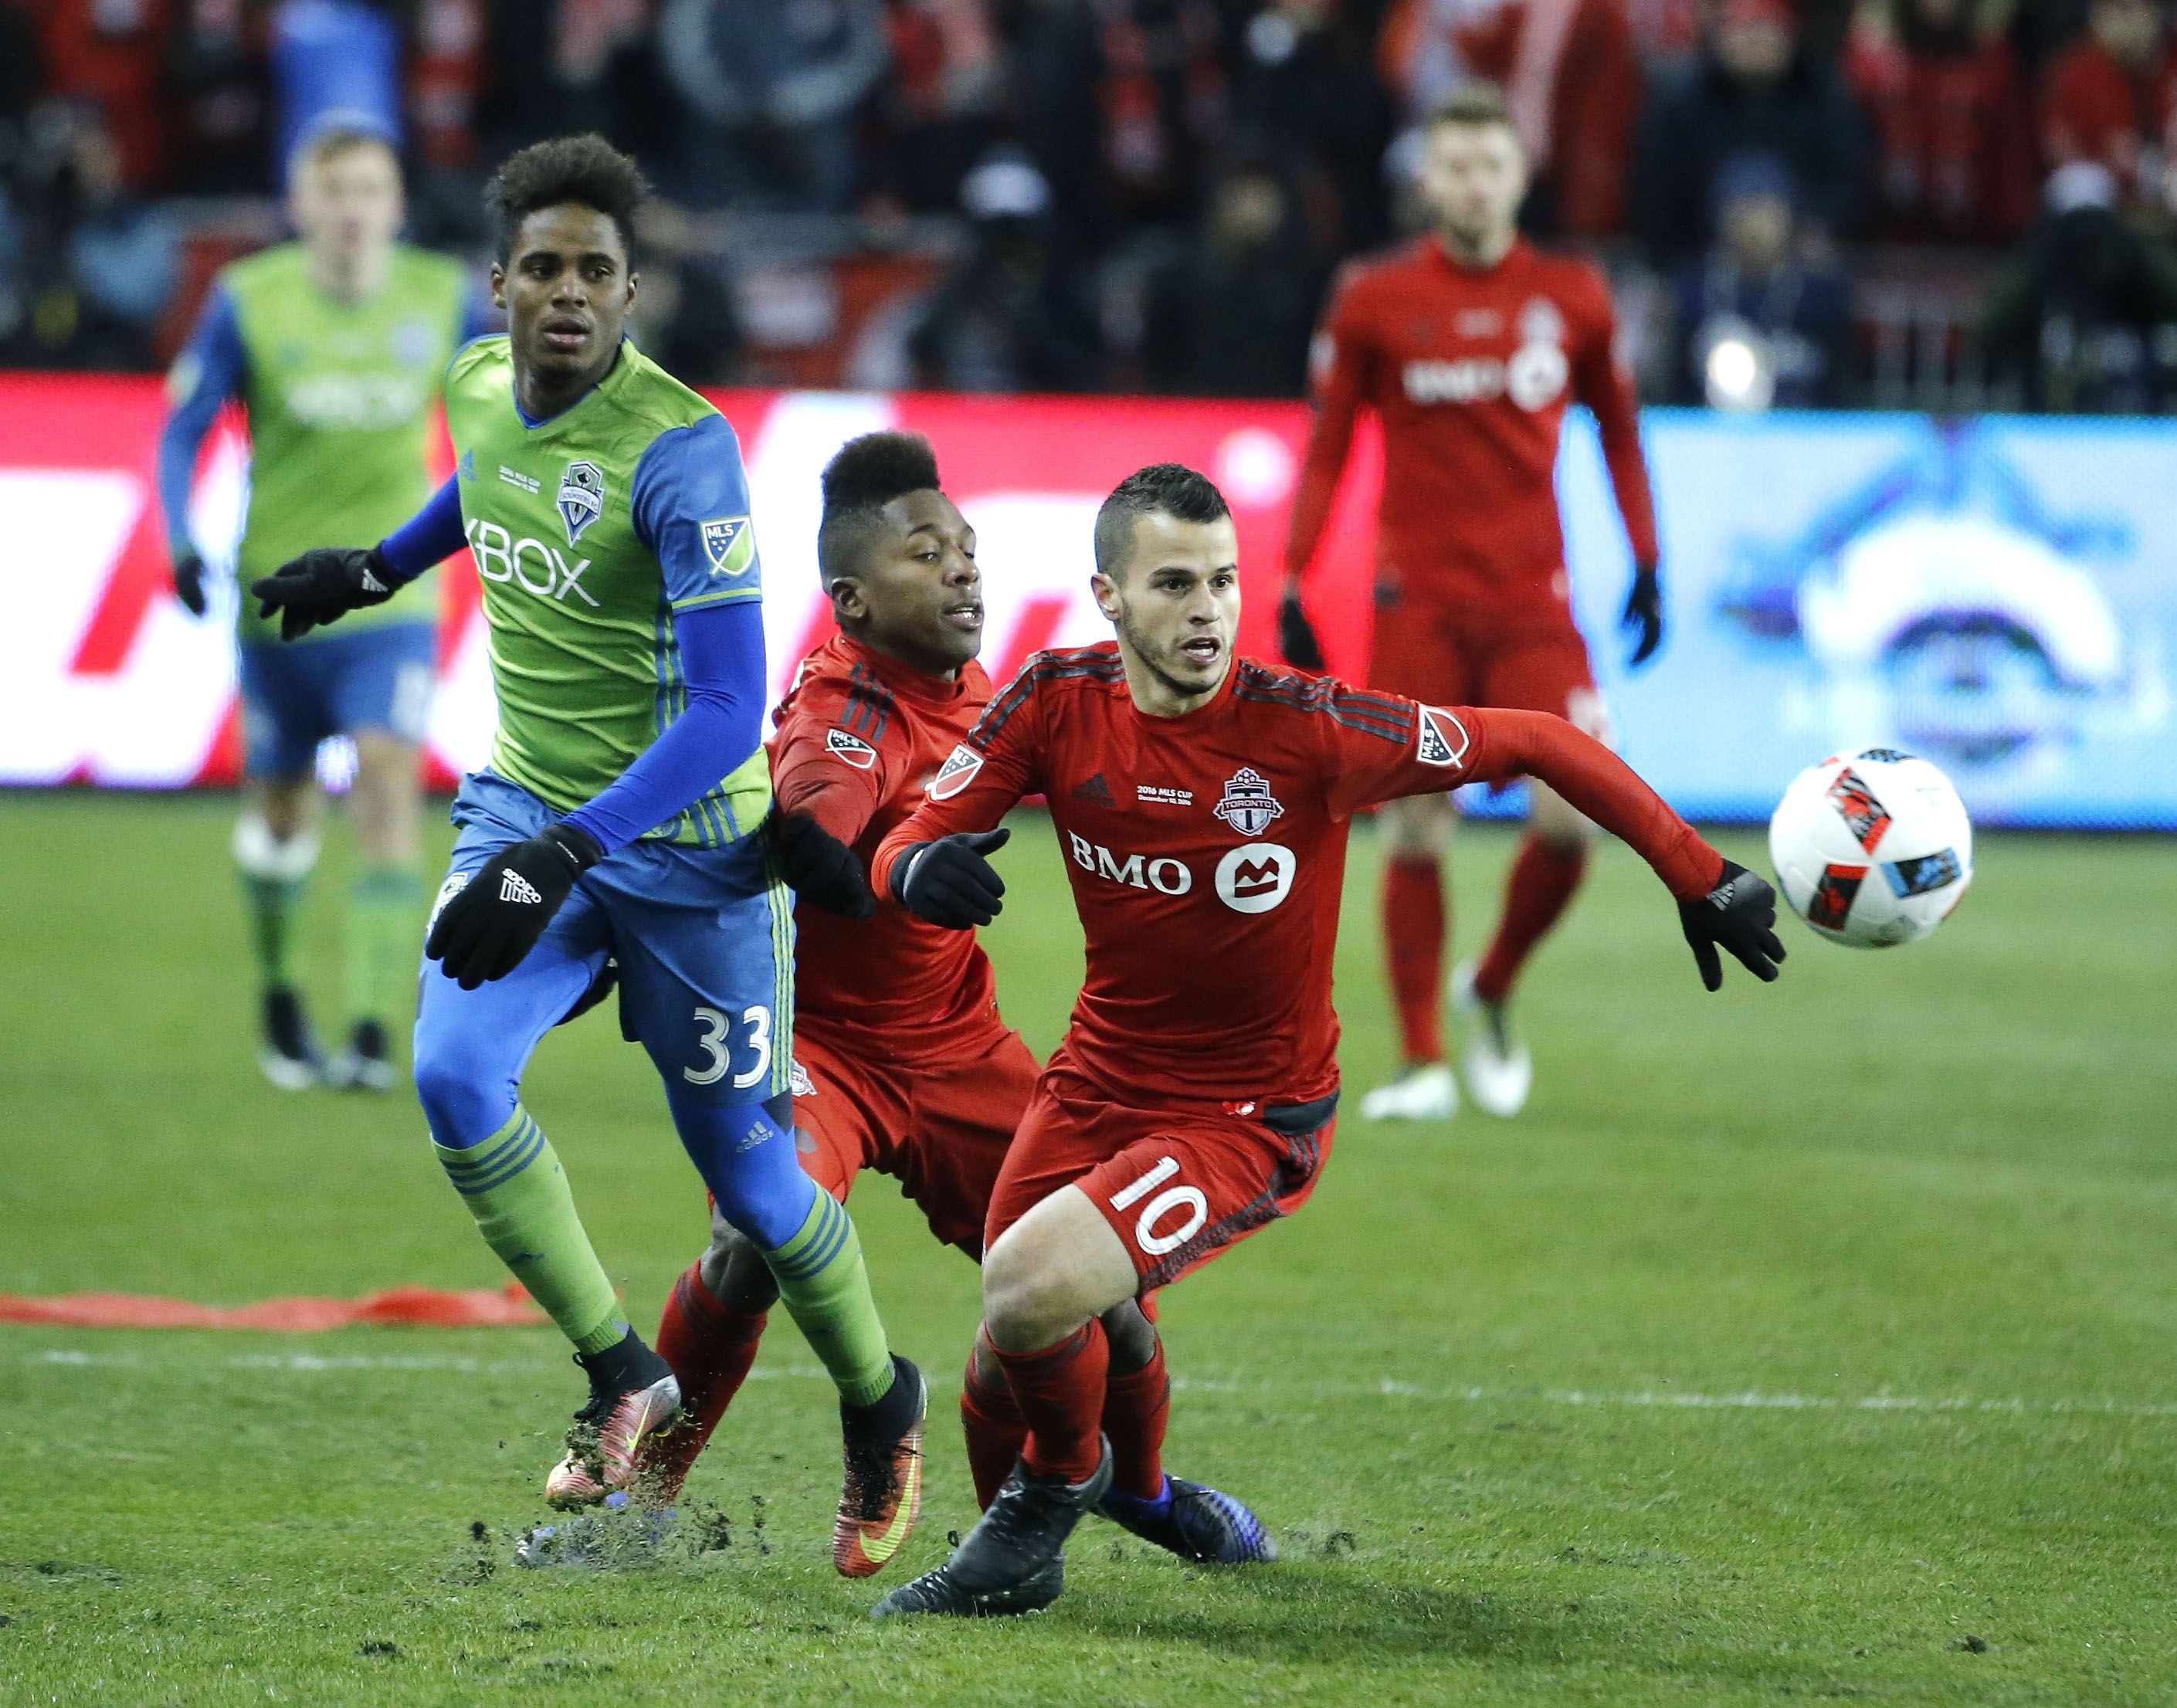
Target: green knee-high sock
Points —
{"points": [[273, 875], [825, 1286], [517, 1192], [272, 905], [384, 919]]}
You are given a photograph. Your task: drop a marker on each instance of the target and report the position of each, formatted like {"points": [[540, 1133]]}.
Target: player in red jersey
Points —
{"points": [[903, 1062], [1468, 345], [1203, 804]]}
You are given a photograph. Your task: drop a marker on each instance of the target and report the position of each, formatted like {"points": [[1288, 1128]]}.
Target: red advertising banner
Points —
{"points": [[104, 678]]}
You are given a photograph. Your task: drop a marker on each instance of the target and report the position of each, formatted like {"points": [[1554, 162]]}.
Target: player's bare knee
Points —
{"points": [[1031, 1297], [735, 1274], [1419, 828], [1559, 825]]}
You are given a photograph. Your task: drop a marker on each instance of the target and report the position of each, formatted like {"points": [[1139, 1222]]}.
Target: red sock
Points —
{"points": [[995, 1430], [1413, 939], [1541, 887], [710, 1348], [1136, 1406], [1060, 1391]]}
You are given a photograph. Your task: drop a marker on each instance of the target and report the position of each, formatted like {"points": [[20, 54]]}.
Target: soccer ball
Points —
{"points": [[1872, 848]]}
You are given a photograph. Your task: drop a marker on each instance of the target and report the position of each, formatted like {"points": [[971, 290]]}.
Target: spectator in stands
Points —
{"points": [[216, 79], [1755, 88], [1009, 316], [2110, 100], [1569, 74], [773, 89], [98, 265], [1231, 316], [943, 101], [107, 53], [1763, 319], [1940, 81], [1120, 102], [1305, 92], [2084, 318], [684, 314]]}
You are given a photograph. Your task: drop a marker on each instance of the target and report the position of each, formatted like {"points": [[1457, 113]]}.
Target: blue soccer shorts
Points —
{"points": [[704, 937], [296, 693]]}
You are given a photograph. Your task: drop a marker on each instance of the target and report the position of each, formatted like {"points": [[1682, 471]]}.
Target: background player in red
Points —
{"points": [[903, 1062], [1203, 804], [1470, 344]]}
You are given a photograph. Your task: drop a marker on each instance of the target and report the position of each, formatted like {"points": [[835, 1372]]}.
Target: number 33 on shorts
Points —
{"points": [[719, 1044], [1169, 1218]]}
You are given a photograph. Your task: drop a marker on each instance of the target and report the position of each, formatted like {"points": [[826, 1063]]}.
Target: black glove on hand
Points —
{"points": [[1740, 913], [496, 917], [1297, 642], [1643, 617], [189, 583], [322, 587], [818, 867], [948, 882]]}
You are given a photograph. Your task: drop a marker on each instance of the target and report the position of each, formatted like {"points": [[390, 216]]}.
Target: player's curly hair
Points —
{"points": [[1167, 489], [586, 171], [864, 475]]}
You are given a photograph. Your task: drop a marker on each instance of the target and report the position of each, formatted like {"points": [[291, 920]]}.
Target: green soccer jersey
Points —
{"points": [[591, 531], [339, 397]]}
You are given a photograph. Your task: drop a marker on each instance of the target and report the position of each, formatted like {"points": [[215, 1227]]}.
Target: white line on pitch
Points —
{"points": [[1750, 1400]]}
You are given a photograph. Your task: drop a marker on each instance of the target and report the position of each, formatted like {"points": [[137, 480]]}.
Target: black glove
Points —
{"points": [[948, 882], [818, 867], [1740, 913], [496, 917], [1297, 642], [1643, 617], [322, 587], [189, 582]]}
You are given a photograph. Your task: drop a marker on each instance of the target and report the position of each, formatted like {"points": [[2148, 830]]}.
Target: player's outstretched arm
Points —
{"points": [[935, 863], [323, 586], [1721, 905], [951, 882]]}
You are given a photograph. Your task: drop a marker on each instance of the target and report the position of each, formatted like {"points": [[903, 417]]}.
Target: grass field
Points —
{"points": [[1811, 1341]]}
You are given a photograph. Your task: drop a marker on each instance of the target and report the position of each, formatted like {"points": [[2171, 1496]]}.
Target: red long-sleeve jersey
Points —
{"points": [[857, 737], [1207, 852], [1470, 370]]}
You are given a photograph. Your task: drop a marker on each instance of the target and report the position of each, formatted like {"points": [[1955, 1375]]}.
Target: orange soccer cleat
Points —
{"points": [[882, 1495]]}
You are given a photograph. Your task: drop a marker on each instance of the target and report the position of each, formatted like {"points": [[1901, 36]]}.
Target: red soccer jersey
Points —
{"points": [[1207, 852], [859, 737], [1470, 370]]}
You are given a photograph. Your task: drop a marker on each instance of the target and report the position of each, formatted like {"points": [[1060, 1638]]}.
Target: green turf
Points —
{"points": [[1811, 1341]]}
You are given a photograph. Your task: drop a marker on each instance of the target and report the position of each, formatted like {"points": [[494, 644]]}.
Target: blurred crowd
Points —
{"points": [[1803, 201]]}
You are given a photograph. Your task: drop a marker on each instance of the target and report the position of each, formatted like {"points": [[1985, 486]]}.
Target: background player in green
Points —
{"points": [[621, 815], [335, 345]]}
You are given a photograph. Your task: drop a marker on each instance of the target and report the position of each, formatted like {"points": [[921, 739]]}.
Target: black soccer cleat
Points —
{"points": [[1014, 1559], [367, 1063], [1196, 1522], [289, 1056]]}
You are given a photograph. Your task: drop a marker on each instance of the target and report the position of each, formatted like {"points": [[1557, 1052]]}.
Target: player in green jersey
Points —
{"points": [[621, 815], [334, 345]]}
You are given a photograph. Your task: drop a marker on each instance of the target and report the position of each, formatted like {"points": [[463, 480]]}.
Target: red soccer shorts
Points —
{"points": [[941, 1128], [1178, 1182], [1444, 651]]}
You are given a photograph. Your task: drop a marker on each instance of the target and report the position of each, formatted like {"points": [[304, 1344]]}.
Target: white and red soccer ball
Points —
{"points": [[1872, 848]]}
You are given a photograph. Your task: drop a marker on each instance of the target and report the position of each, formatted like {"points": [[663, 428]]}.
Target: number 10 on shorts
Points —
{"points": [[1150, 1232]]}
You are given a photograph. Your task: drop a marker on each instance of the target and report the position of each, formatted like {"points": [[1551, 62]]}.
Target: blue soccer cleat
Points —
{"points": [[1195, 1522]]}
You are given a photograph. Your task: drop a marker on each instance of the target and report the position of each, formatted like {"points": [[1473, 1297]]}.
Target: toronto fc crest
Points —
{"points": [[1248, 805]]}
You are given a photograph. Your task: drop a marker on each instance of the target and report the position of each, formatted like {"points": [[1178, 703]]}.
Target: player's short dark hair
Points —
{"points": [[864, 475], [1477, 104], [1166, 488], [585, 171]]}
